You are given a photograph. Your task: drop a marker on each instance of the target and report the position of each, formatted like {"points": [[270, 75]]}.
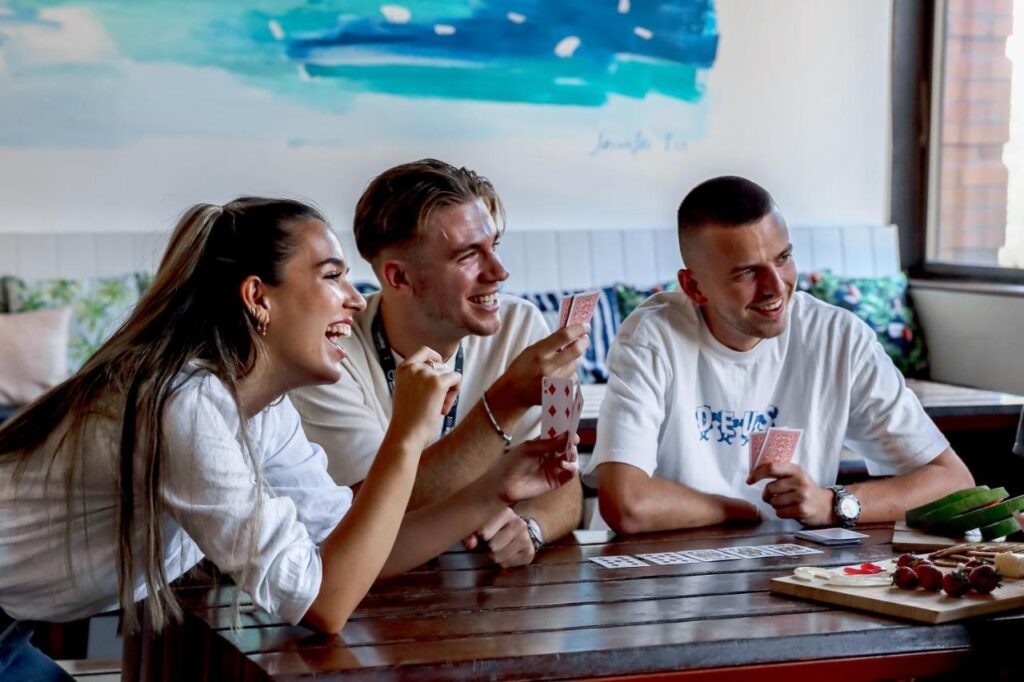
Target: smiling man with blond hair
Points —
{"points": [[431, 232]]}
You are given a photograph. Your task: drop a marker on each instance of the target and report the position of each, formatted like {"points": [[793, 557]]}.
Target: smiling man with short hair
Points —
{"points": [[431, 232], [695, 373]]}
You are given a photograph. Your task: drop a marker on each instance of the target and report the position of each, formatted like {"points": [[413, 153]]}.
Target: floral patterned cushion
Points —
{"points": [[629, 297], [98, 306], [883, 303]]}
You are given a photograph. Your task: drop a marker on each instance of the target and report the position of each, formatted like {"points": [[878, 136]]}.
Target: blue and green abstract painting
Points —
{"points": [[584, 111], [325, 53]]}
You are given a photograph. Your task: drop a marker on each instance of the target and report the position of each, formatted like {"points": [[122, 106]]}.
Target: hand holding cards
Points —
{"points": [[577, 309]]}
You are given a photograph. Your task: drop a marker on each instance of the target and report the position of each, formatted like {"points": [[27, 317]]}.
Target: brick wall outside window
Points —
{"points": [[975, 128]]}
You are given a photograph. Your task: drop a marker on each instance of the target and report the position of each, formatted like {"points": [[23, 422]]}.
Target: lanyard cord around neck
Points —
{"points": [[387, 363]]}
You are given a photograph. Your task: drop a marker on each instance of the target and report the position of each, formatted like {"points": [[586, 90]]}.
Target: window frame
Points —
{"points": [[917, 54]]}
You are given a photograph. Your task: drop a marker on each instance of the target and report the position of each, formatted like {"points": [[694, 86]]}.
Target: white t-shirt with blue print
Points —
{"points": [[681, 406]]}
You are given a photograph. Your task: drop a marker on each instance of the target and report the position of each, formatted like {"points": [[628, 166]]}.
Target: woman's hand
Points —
{"points": [[534, 468], [424, 392]]}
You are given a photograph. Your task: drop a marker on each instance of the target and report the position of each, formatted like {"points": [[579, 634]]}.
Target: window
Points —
{"points": [[975, 212]]}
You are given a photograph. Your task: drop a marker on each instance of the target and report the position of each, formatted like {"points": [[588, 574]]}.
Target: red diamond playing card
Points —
{"points": [[556, 406]]}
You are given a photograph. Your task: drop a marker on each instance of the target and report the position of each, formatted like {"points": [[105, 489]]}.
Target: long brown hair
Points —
{"points": [[192, 312]]}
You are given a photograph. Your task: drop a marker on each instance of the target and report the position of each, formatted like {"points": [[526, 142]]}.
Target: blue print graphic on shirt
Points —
{"points": [[733, 428]]}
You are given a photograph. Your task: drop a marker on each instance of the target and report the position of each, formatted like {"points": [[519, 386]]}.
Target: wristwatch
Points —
{"points": [[845, 506], [534, 531]]}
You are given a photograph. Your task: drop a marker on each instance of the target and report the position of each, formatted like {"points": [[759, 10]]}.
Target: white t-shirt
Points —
{"points": [[209, 500], [681, 406], [349, 418]]}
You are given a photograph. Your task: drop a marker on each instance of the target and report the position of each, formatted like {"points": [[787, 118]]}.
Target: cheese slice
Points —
{"points": [[1010, 564]]}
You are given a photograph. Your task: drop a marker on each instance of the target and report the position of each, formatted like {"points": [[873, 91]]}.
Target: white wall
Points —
{"points": [[974, 339], [801, 92], [797, 99]]}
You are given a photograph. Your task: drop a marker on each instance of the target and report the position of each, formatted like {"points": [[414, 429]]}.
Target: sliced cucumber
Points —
{"points": [[1000, 529], [978, 518], [961, 506], [917, 512]]}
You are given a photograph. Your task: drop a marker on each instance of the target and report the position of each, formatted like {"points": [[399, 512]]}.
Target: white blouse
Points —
{"points": [[267, 540]]}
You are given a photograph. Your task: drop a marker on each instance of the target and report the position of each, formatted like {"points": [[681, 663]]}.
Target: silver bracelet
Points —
{"points": [[494, 422]]}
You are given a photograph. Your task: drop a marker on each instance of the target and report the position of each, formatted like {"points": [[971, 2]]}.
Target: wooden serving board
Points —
{"points": [[919, 605], [906, 539]]}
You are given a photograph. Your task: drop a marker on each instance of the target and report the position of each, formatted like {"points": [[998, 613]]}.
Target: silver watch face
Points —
{"points": [[849, 507], [533, 528]]}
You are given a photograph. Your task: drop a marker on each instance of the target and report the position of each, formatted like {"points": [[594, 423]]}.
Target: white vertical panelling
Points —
{"points": [[858, 256], [803, 248], [348, 248], [541, 261], [513, 255], [149, 250], [8, 254], [574, 266], [666, 254], [359, 269], [639, 258], [886, 246], [37, 255], [606, 258], [536, 261], [117, 254], [76, 255], [828, 249]]}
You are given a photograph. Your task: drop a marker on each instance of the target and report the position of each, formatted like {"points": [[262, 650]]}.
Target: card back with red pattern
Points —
{"points": [[582, 308], [779, 445]]}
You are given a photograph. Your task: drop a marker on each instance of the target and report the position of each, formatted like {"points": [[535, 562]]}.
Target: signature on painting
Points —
{"points": [[638, 142]]}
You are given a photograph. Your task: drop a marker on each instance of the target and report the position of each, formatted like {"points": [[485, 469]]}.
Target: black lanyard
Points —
{"points": [[387, 363]]}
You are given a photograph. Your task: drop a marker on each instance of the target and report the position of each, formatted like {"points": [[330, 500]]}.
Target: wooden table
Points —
{"points": [[565, 617]]}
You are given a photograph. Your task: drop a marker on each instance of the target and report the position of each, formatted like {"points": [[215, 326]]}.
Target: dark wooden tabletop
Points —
{"points": [[564, 617]]}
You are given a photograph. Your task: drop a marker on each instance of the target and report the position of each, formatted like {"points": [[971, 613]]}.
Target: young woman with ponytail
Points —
{"points": [[176, 442]]}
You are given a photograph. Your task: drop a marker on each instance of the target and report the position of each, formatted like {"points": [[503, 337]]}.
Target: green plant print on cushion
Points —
{"points": [[98, 305], [884, 304]]}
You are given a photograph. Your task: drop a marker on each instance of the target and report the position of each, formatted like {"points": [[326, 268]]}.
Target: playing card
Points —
{"points": [[556, 405], [756, 441], [563, 311], [667, 558], [618, 561], [574, 418], [792, 550], [832, 536], [751, 552], [779, 446], [709, 555], [582, 308]]}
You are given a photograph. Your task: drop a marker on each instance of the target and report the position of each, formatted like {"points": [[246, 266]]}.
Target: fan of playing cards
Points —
{"points": [[577, 308], [561, 405], [561, 400]]}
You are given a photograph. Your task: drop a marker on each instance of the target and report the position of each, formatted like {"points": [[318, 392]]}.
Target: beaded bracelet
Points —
{"points": [[494, 422]]}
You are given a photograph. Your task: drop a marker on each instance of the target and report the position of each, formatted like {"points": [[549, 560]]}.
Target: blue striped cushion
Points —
{"points": [[603, 328]]}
